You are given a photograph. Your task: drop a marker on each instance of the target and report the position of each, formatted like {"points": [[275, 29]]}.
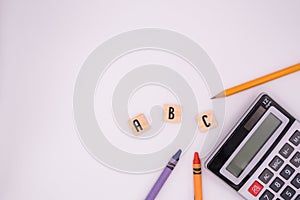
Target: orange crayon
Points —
{"points": [[197, 177]]}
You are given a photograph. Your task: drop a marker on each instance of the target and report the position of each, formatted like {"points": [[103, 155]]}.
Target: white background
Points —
{"points": [[43, 45]]}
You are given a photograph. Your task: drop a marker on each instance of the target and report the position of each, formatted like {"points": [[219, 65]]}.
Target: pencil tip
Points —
{"points": [[219, 95]]}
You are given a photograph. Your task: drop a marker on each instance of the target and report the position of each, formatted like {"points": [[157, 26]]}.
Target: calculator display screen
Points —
{"points": [[253, 145]]}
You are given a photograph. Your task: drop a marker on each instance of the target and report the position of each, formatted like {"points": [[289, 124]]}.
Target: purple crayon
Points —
{"points": [[163, 176]]}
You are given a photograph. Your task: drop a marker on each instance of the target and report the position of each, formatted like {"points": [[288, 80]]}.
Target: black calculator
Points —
{"points": [[260, 157]]}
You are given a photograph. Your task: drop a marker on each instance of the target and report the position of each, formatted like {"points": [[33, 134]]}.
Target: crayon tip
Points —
{"points": [[196, 158], [177, 155]]}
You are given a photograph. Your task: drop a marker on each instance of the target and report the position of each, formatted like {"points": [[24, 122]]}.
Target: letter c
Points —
{"points": [[204, 121]]}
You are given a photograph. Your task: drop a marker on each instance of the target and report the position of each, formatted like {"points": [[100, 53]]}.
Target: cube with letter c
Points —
{"points": [[206, 121]]}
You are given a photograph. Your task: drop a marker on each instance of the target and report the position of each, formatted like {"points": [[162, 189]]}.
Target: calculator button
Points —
{"points": [[298, 197], [277, 184], [296, 181], [266, 176], [286, 150], [276, 163], [287, 172], [287, 193], [296, 159], [295, 139], [267, 195], [255, 188]]}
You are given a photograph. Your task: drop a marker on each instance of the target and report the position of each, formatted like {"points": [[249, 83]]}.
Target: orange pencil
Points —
{"points": [[258, 81], [197, 177]]}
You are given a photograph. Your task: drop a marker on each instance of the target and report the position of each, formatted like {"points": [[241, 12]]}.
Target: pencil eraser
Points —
{"points": [[139, 124], [172, 113], [206, 121]]}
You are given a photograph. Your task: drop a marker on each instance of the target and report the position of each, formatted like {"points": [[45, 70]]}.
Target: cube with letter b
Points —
{"points": [[172, 113]]}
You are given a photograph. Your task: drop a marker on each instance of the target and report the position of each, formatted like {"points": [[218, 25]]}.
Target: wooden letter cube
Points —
{"points": [[206, 121], [139, 124], [172, 113]]}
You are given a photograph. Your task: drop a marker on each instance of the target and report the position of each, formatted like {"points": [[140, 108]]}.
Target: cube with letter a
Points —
{"points": [[139, 124]]}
